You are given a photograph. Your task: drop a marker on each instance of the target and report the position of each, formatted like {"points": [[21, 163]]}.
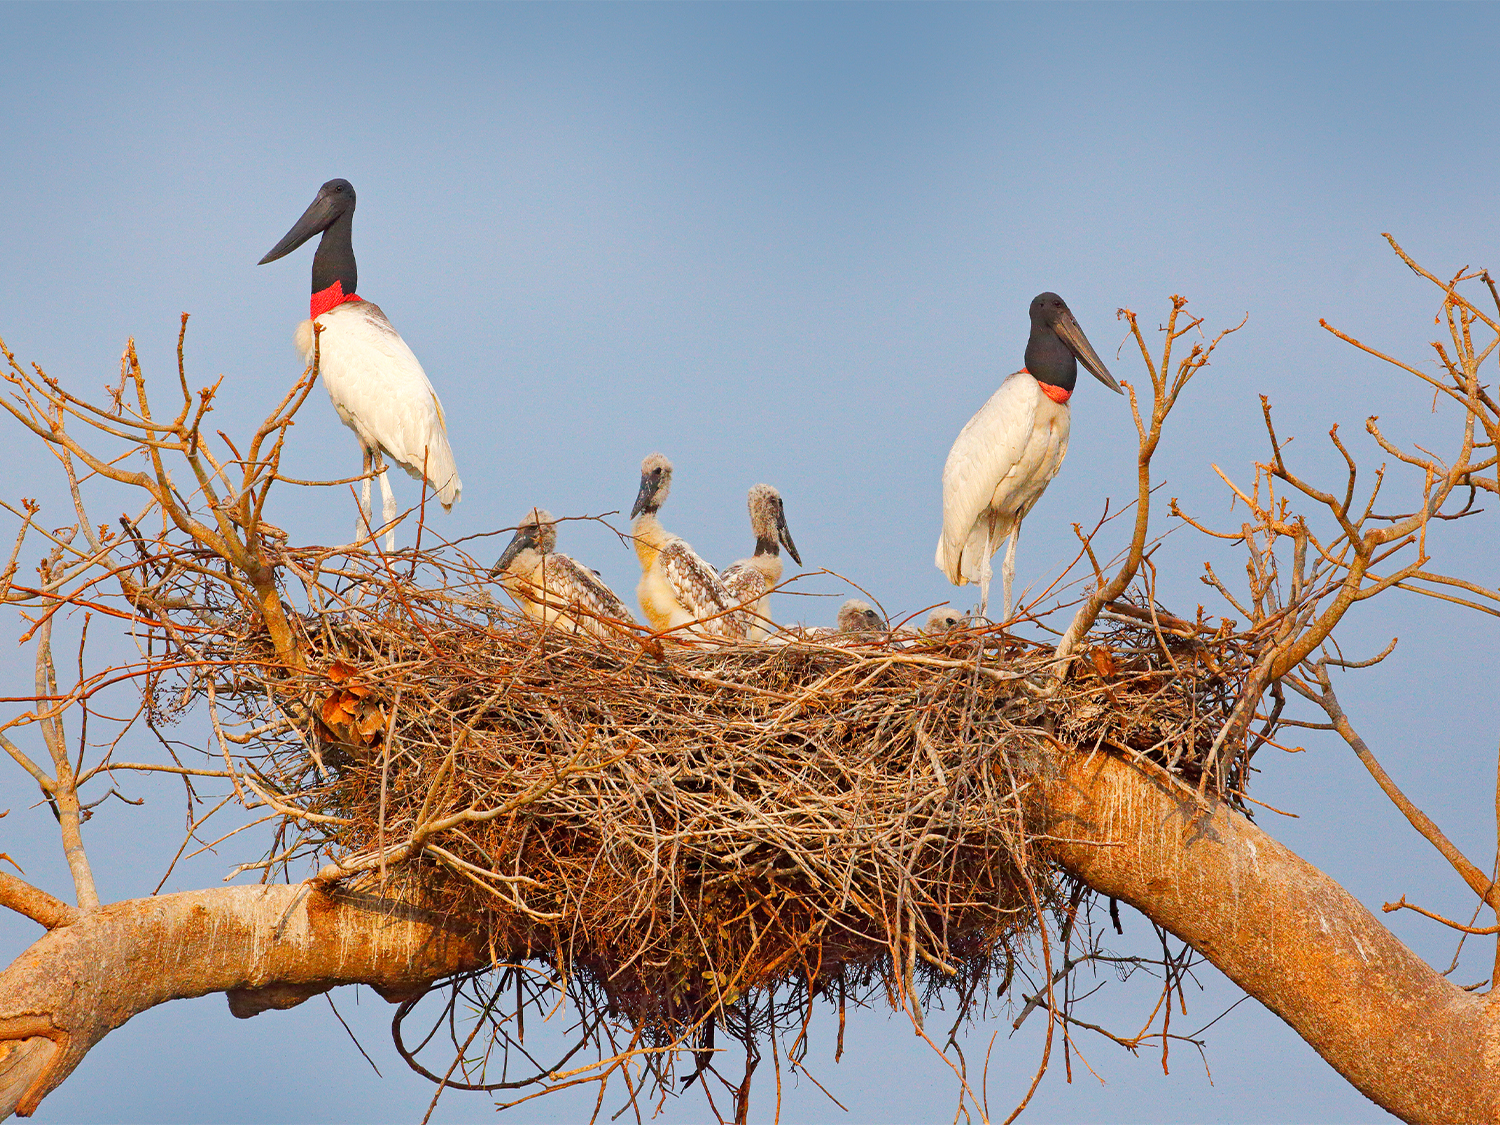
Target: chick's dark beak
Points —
{"points": [[524, 537], [643, 498], [784, 534]]}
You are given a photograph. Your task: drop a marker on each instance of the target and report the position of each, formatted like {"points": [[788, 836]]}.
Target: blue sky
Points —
{"points": [[791, 243]]}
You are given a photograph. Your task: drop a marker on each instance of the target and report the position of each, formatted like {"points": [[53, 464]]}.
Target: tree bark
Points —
{"points": [[1287, 934], [267, 947], [1402, 1034]]}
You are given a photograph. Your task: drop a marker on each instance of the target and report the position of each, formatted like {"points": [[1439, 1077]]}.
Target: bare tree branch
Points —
{"points": [[36, 904]]}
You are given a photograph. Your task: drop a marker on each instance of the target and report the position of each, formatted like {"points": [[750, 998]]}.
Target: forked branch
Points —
{"points": [[1166, 386]]}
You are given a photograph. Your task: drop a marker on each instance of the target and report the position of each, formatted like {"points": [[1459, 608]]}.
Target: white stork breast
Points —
{"points": [[381, 392], [998, 468]]}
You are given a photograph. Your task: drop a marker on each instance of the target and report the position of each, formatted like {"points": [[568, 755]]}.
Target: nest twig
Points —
{"points": [[678, 832]]}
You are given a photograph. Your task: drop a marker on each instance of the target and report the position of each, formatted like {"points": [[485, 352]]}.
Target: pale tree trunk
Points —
{"points": [[1402, 1034], [1283, 931], [267, 947]]}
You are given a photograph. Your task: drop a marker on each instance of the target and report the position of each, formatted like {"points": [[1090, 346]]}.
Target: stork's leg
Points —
{"points": [[362, 525], [387, 503], [986, 569], [1009, 570]]}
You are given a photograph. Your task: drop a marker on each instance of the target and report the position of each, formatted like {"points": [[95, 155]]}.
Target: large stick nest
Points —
{"points": [[680, 826]]}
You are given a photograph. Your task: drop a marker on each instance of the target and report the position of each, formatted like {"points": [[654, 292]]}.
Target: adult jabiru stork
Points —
{"points": [[750, 581], [555, 589], [377, 386], [677, 586], [1009, 452]]}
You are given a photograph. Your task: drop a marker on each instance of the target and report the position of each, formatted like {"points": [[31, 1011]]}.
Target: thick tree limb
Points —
{"points": [[268, 947], [1286, 933], [36, 904]]}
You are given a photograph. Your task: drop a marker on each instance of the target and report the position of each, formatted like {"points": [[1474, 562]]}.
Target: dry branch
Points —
{"points": [[84, 979], [688, 844]]}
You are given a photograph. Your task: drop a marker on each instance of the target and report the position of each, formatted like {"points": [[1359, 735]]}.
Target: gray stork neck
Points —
{"points": [[334, 260], [770, 547], [1049, 359]]}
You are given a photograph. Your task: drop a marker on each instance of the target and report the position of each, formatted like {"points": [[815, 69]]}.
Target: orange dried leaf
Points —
{"points": [[373, 721], [1104, 662]]}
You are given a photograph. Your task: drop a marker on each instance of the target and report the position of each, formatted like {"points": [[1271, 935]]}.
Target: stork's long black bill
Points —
{"points": [[318, 217], [524, 537], [1069, 333], [785, 535]]}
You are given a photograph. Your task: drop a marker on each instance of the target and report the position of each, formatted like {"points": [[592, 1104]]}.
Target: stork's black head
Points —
{"points": [[331, 214], [1057, 345], [1046, 308], [339, 188]]}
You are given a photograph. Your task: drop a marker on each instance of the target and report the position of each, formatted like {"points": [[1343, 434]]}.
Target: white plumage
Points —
{"points": [[1009, 452], [380, 391], [1002, 462]]}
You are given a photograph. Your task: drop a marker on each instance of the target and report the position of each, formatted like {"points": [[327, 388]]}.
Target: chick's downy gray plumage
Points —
{"points": [[555, 589]]}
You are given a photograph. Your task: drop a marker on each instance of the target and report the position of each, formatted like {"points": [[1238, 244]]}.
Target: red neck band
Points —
{"points": [[1055, 393], [333, 296]]}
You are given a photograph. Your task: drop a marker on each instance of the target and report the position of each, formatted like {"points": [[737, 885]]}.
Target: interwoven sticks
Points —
{"points": [[685, 829]]}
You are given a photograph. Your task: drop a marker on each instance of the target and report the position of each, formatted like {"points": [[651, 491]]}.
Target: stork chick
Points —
{"points": [[944, 621], [677, 586], [750, 581], [555, 589], [856, 616]]}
